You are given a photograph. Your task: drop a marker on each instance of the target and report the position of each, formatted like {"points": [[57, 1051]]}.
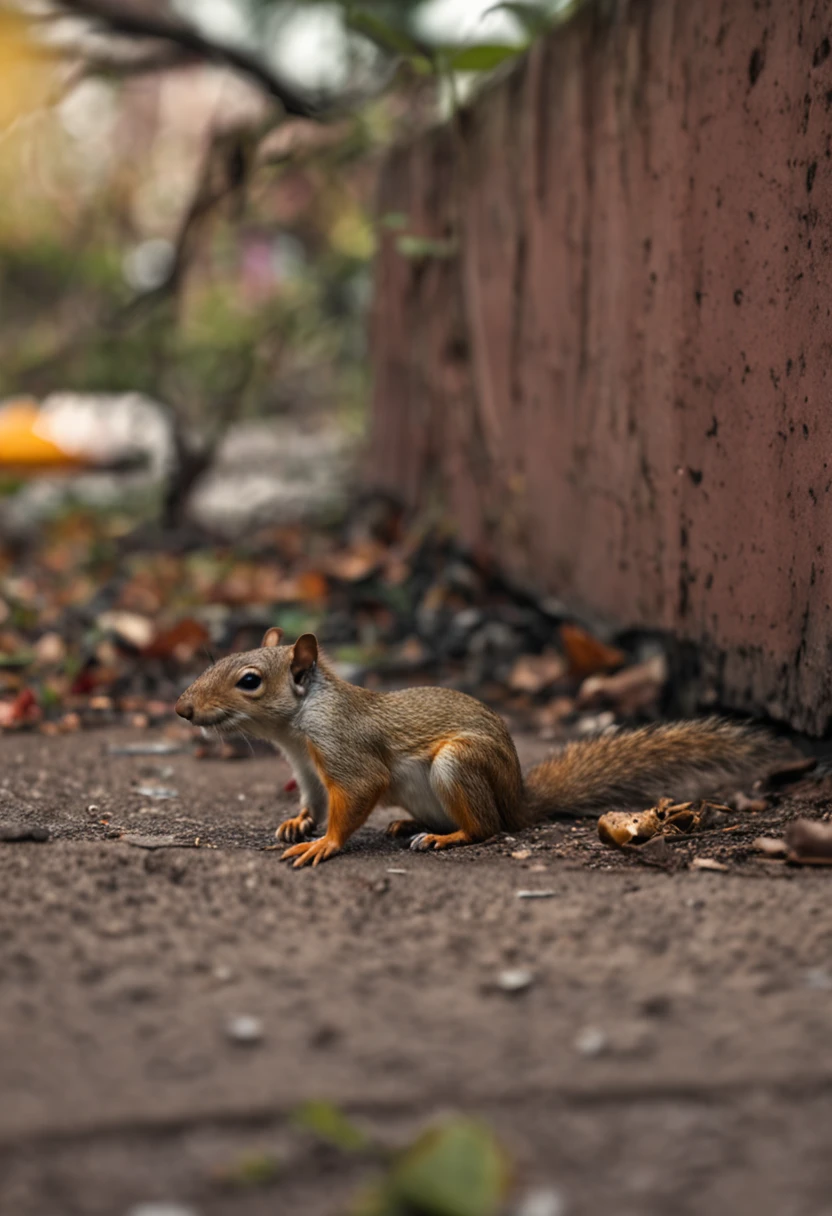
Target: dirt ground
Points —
{"points": [[672, 1054]]}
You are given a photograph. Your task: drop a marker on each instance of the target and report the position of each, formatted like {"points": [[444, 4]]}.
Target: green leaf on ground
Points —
{"points": [[455, 1169], [330, 1124]]}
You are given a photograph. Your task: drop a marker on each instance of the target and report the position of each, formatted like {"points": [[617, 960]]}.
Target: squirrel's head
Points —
{"points": [[255, 692]]}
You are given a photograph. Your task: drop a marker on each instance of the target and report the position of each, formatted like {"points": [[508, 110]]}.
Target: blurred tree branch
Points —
{"points": [[114, 18]]}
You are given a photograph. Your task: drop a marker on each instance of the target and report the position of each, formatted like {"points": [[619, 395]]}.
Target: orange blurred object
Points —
{"points": [[25, 448]]}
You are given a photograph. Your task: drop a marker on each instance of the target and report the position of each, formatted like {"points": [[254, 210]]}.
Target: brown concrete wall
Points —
{"points": [[621, 384]]}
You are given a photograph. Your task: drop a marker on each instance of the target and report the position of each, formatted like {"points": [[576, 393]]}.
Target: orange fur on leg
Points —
{"points": [[431, 841], [347, 812]]}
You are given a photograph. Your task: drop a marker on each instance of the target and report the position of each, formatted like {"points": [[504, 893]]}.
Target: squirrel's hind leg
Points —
{"points": [[400, 828], [460, 779]]}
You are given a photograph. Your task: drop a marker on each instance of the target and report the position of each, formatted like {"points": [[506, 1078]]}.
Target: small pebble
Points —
{"points": [[161, 1209], [244, 1029], [514, 979], [93, 808], [521, 854], [591, 1042], [545, 1201], [223, 974]]}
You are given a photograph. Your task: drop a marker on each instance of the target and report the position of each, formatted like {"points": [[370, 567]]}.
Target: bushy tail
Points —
{"points": [[632, 769]]}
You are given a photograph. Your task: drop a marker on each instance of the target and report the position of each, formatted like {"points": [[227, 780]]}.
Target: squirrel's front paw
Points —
{"points": [[299, 827], [312, 853]]}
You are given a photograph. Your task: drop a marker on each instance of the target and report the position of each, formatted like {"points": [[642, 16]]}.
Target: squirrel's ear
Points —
{"points": [[272, 637], [304, 656]]}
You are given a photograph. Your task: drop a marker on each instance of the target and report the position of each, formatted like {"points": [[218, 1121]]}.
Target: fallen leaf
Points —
{"points": [[22, 711], [586, 654], [754, 806], [331, 1125], [809, 843], [533, 673], [631, 691], [136, 630], [455, 1169], [770, 846], [181, 642]]}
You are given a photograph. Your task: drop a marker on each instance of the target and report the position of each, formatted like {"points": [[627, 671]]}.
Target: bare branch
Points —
{"points": [[132, 24]]}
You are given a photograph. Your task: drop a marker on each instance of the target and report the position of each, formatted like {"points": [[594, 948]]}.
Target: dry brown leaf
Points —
{"points": [[586, 654], [533, 672], [630, 691], [181, 642]]}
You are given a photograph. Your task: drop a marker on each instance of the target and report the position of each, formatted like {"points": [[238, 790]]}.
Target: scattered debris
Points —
{"points": [[393, 870], [632, 691], [535, 672], [543, 1201], [521, 854], [158, 793], [515, 979], [708, 863], [591, 1042], [751, 806], [770, 846], [18, 833], [809, 843], [245, 1030], [536, 894], [618, 828]]}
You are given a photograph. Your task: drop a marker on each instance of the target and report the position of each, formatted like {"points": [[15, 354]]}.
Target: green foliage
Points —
{"points": [[418, 247], [482, 58], [454, 1169], [331, 1125]]}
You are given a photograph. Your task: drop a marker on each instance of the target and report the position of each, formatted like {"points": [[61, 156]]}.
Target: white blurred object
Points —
{"points": [[148, 264]]}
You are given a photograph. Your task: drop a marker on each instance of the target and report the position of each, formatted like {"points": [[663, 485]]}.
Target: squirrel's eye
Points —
{"points": [[249, 681]]}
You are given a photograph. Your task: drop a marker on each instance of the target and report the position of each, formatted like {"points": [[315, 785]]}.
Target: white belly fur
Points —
{"points": [[411, 789]]}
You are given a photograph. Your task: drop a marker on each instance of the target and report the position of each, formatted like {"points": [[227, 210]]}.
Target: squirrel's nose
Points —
{"points": [[185, 709]]}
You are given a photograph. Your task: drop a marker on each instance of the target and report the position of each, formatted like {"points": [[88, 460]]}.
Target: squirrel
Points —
{"points": [[442, 755]]}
